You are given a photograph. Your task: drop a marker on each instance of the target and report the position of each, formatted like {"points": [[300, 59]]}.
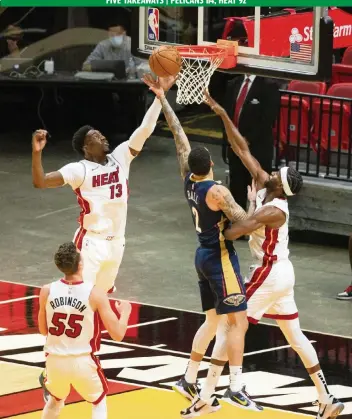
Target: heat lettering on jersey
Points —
{"points": [[105, 179], [67, 301]]}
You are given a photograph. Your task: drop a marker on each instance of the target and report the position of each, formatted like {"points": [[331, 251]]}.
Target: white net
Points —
{"points": [[194, 78]]}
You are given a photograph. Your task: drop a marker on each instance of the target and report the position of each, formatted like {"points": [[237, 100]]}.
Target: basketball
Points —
{"points": [[165, 61]]}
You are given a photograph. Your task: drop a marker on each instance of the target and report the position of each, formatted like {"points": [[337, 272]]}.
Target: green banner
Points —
{"points": [[169, 3]]}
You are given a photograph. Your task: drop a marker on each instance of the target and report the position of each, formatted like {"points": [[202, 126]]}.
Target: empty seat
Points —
{"points": [[342, 73], [332, 119], [295, 112]]}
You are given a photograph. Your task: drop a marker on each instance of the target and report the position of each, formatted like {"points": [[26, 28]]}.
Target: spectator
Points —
{"points": [[347, 294], [116, 47], [14, 40], [253, 103]]}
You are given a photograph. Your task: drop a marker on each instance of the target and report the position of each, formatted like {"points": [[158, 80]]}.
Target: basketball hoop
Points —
{"points": [[199, 63]]}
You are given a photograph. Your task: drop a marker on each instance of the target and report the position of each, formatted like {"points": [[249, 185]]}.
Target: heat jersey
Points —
{"points": [[209, 224], [102, 191], [73, 327], [268, 244]]}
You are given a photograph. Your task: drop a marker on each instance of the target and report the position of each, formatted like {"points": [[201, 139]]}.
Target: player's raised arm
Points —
{"points": [[269, 216], [220, 198], [183, 147], [115, 327], [42, 322], [238, 143], [39, 178]]}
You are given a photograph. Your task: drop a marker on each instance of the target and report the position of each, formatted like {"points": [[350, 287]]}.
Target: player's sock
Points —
{"points": [[52, 408], [211, 382], [100, 411], [192, 371], [321, 386], [235, 378]]}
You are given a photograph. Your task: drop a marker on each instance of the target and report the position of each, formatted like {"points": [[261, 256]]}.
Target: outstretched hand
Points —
{"points": [[212, 103], [160, 85], [252, 191]]}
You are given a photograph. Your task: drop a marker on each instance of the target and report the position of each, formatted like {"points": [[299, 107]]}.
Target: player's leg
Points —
{"points": [[90, 382], [347, 294], [187, 385], [109, 268], [57, 384], [92, 251]]}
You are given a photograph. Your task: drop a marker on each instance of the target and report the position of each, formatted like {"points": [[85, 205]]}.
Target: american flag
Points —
{"points": [[301, 52]]}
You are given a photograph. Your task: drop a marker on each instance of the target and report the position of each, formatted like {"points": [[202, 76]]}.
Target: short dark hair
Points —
{"points": [[79, 137], [294, 180], [67, 258], [199, 161]]}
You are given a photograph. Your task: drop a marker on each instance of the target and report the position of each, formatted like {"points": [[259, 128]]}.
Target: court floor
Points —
{"points": [[154, 354]]}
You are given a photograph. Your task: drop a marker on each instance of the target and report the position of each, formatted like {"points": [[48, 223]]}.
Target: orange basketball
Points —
{"points": [[165, 61]]}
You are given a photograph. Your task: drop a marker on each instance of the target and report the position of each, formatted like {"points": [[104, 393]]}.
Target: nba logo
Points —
{"points": [[153, 24]]}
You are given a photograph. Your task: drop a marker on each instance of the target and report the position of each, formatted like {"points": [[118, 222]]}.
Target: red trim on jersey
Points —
{"points": [[95, 341], [252, 320], [281, 316], [111, 290], [261, 273], [85, 209], [103, 379], [70, 283]]}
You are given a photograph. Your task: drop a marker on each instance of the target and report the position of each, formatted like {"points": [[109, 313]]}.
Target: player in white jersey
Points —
{"points": [[270, 291], [100, 182], [69, 318]]}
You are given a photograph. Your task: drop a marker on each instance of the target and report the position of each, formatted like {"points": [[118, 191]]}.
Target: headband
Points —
{"points": [[285, 185]]}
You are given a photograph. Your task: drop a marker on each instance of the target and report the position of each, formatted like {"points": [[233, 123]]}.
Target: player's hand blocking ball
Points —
{"points": [[165, 61], [39, 139]]}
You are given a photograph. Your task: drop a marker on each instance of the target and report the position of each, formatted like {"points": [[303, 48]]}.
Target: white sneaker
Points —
{"points": [[329, 410], [200, 407], [241, 399]]}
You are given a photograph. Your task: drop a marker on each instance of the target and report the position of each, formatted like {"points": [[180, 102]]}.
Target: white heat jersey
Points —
{"points": [[73, 327], [268, 244], [102, 191]]}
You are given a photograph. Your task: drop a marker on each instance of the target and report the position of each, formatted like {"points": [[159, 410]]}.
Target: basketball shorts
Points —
{"points": [[220, 281], [270, 292], [102, 257], [83, 372]]}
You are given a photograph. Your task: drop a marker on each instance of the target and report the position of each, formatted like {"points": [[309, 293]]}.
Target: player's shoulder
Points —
{"points": [[217, 191], [45, 290]]}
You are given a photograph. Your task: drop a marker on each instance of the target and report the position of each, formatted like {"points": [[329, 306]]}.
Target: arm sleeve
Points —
{"points": [[145, 130], [73, 174]]}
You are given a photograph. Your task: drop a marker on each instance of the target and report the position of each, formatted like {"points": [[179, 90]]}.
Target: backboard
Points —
{"points": [[274, 42]]}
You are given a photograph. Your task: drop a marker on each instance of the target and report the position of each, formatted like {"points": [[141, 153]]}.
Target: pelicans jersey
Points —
{"points": [[270, 290], [102, 194], [73, 328], [216, 260], [73, 338]]}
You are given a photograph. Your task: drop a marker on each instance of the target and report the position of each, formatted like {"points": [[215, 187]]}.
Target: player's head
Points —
{"points": [[89, 142], [199, 161], [287, 181], [68, 259]]}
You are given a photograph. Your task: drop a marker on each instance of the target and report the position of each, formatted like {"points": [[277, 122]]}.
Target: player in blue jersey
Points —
{"points": [[221, 286]]}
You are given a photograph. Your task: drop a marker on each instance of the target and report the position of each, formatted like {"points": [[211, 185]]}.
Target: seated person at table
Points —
{"points": [[116, 47], [14, 42]]}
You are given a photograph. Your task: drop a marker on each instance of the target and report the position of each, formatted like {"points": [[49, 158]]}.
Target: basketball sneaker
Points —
{"points": [[46, 394], [346, 295], [199, 407], [187, 390], [241, 399], [329, 410]]}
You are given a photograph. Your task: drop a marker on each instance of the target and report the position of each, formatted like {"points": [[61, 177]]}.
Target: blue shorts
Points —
{"points": [[220, 282]]}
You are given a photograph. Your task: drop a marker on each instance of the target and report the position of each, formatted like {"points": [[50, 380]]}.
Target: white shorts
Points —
{"points": [[83, 372], [102, 258], [270, 292]]}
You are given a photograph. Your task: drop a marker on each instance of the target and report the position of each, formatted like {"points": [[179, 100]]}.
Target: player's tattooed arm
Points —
{"points": [[42, 323], [269, 216], [238, 143], [183, 147], [220, 198]]}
